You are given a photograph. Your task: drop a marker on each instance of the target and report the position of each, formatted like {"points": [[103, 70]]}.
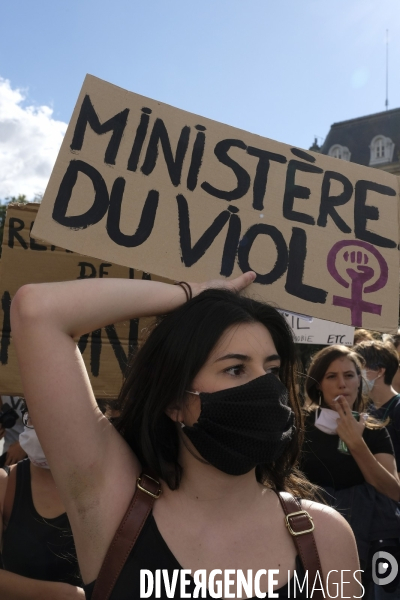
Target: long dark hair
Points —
{"points": [[165, 366]]}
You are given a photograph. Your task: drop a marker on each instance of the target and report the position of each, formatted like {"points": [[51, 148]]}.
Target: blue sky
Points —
{"points": [[285, 70]]}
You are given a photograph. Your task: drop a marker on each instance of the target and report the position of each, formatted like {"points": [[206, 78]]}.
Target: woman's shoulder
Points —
{"points": [[332, 532], [324, 514], [310, 431], [378, 440], [336, 546]]}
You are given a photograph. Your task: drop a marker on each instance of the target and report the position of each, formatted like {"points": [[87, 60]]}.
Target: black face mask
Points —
{"points": [[244, 426]]}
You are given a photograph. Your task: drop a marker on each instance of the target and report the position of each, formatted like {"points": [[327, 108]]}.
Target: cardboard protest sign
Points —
{"points": [[145, 185], [25, 260], [319, 331]]}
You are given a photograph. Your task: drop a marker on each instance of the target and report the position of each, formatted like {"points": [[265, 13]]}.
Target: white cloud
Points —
{"points": [[29, 142]]}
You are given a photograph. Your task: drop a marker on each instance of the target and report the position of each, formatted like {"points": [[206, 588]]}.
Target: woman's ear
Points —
{"points": [[174, 413]]}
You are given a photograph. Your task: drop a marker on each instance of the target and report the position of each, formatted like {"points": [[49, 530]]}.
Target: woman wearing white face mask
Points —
{"points": [[38, 551], [363, 478], [382, 364]]}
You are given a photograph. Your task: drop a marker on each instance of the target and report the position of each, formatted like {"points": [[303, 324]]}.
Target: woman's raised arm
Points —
{"points": [[94, 469], [378, 470]]}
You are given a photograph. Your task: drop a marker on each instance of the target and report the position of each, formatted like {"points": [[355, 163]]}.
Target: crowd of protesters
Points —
{"points": [[352, 445], [351, 451]]}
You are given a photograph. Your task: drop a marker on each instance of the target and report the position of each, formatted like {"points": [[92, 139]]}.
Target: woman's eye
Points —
{"points": [[273, 370], [236, 370]]}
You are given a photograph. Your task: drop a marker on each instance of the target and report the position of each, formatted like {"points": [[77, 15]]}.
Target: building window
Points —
{"points": [[381, 149], [338, 151]]}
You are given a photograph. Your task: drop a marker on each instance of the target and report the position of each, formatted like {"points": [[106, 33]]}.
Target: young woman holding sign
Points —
{"points": [[209, 406]]}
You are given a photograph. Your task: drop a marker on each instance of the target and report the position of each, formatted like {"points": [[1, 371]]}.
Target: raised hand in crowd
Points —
{"points": [[349, 429]]}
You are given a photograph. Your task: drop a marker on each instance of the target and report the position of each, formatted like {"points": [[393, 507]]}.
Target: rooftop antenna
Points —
{"points": [[387, 69]]}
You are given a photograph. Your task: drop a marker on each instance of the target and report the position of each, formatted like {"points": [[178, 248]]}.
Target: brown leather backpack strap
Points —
{"points": [[301, 526], [10, 495], [147, 491]]}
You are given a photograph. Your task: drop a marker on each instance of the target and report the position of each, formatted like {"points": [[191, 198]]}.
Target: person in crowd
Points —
{"points": [[381, 366], [38, 552], [395, 340], [362, 335], [350, 456], [12, 451], [208, 405]]}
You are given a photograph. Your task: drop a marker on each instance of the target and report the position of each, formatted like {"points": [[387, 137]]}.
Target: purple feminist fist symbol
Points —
{"points": [[359, 273]]}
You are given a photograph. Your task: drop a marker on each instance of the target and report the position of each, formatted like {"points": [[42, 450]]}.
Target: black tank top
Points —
{"points": [[36, 547], [151, 552]]}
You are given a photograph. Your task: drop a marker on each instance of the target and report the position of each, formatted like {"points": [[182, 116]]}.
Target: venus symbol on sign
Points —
{"points": [[358, 262]]}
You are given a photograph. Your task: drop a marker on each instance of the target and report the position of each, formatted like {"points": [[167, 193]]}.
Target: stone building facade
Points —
{"points": [[373, 141]]}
